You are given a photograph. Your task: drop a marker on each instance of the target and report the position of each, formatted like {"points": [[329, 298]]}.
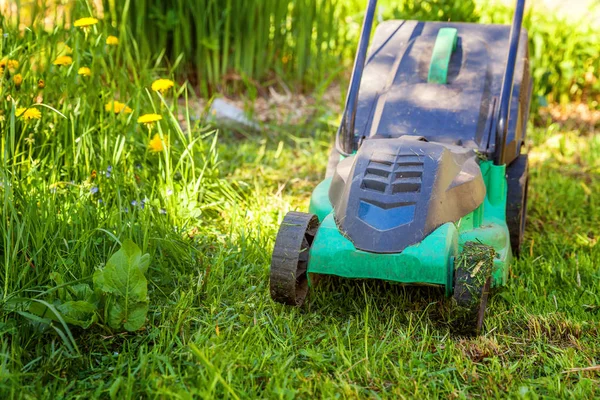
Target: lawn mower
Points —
{"points": [[426, 172]]}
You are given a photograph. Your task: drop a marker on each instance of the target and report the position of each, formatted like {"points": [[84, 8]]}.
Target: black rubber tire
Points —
{"points": [[517, 176], [289, 262], [471, 292]]}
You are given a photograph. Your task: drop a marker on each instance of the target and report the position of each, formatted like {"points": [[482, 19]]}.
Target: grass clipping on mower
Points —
{"points": [[473, 267]]}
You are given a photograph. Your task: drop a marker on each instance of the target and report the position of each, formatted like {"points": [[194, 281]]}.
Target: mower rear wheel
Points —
{"points": [[289, 263], [472, 282], [517, 176]]}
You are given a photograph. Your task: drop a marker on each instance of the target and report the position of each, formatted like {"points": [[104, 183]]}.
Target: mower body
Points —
{"points": [[422, 182], [426, 184]]}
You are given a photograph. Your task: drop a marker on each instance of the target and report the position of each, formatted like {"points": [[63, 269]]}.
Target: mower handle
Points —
{"points": [[507, 84], [346, 129]]}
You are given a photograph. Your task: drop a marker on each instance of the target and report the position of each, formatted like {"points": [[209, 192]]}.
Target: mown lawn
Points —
{"points": [[212, 330], [86, 174]]}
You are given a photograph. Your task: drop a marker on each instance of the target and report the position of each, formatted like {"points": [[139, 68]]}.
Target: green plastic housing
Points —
{"points": [[430, 262]]}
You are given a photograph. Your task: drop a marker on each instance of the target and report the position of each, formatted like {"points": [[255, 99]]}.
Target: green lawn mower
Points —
{"points": [[426, 183]]}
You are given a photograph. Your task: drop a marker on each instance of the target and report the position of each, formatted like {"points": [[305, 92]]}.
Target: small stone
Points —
{"points": [[226, 115]]}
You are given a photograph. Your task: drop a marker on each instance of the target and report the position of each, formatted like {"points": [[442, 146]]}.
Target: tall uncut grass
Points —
{"points": [[229, 46], [306, 40], [238, 40], [77, 177], [565, 55]]}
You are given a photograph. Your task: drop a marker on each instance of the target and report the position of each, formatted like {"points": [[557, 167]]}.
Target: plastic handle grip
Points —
{"points": [[445, 45]]}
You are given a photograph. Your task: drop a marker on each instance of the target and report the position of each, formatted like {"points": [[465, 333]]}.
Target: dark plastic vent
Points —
{"points": [[394, 173]]}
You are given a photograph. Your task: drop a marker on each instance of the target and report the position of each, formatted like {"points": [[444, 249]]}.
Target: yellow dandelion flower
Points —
{"points": [[112, 40], [85, 22], [117, 107], [162, 85], [18, 79], [156, 144], [63, 60], [149, 119], [84, 71], [28, 113], [12, 65]]}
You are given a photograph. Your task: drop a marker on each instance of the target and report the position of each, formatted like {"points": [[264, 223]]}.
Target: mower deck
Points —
{"points": [[428, 262]]}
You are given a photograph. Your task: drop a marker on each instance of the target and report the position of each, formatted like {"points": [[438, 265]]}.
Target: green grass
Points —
{"points": [[307, 42], [562, 52], [213, 331], [230, 45], [212, 206]]}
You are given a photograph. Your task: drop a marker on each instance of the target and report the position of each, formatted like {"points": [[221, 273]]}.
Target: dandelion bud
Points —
{"points": [[18, 80]]}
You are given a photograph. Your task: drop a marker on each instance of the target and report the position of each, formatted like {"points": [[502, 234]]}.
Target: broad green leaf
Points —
{"points": [[99, 282], [134, 254], [123, 279], [83, 291], [126, 281], [42, 311], [80, 313], [129, 316], [123, 275]]}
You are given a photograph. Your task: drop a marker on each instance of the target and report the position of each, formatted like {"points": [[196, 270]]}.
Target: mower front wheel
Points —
{"points": [[472, 282], [289, 263]]}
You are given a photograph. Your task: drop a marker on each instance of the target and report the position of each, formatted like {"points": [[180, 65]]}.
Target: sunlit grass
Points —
{"points": [[235, 46], [99, 166], [92, 153]]}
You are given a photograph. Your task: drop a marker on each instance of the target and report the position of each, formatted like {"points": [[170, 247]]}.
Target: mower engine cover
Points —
{"points": [[394, 192]]}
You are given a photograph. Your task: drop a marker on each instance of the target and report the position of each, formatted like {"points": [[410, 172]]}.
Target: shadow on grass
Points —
{"points": [[341, 298]]}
